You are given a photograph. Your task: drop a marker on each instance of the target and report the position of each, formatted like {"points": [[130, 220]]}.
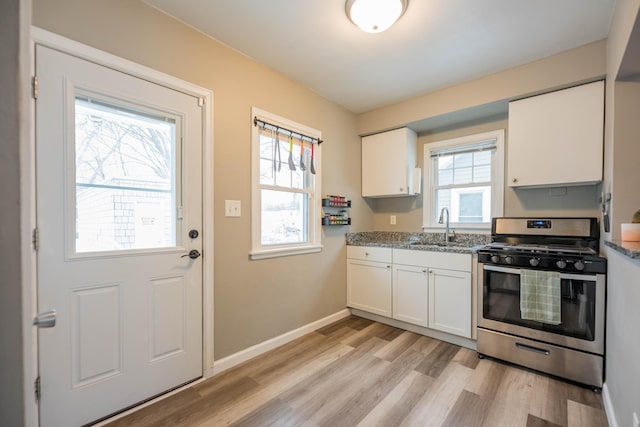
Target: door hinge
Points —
{"points": [[200, 102], [35, 239], [36, 389], [34, 87]]}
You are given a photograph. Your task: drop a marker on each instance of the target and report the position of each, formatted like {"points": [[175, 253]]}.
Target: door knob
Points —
{"points": [[193, 254], [46, 319], [193, 234]]}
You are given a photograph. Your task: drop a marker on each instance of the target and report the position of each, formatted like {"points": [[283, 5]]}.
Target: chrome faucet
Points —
{"points": [[446, 230]]}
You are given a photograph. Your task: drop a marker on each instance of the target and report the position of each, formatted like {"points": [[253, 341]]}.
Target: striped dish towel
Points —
{"points": [[540, 296]]}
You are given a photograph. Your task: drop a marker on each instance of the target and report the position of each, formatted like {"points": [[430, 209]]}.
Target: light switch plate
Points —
{"points": [[232, 208]]}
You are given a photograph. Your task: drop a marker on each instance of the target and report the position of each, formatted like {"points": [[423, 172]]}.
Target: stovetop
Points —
{"points": [[541, 248], [556, 244]]}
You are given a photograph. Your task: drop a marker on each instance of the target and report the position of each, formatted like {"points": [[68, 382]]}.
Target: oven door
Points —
{"points": [[582, 308]]}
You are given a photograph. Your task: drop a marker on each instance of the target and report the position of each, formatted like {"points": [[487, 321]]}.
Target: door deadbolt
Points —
{"points": [[193, 234], [193, 254]]}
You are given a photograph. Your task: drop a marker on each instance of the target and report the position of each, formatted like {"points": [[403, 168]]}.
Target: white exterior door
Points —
{"points": [[119, 188]]}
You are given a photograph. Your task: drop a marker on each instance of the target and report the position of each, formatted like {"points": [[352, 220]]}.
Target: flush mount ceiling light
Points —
{"points": [[375, 16]]}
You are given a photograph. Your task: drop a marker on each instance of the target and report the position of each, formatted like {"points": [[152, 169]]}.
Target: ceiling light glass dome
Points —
{"points": [[375, 16]]}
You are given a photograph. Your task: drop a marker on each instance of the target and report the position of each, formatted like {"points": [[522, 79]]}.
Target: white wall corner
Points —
{"points": [[608, 406]]}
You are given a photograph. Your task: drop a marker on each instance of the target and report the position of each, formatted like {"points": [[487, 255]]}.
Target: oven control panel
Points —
{"points": [[570, 264]]}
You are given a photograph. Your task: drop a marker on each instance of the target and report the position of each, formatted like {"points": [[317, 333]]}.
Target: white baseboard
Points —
{"points": [[256, 350], [608, 406]]}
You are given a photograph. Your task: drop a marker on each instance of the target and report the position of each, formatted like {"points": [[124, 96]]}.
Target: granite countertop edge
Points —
{"points": [[434, 242], [418, 247], [629, 249]]}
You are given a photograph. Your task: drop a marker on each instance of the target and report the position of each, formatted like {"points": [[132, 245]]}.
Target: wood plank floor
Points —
{"points": [[357, 372]]}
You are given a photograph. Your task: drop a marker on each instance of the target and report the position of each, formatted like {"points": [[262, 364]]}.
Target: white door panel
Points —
{"points": [[119, 186]]}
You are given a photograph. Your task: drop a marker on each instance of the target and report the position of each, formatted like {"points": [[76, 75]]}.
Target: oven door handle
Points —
{"points": [[566, 276]]}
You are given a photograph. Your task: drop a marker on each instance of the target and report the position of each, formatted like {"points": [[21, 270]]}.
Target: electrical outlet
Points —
{"points": [[232, 208], [636, 423], [392, 220]]}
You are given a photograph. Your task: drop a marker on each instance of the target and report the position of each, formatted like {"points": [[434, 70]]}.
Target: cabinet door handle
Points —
{"points": [[514, 180], [424, 271], [430, 271], [388, 267], [366, 254]]}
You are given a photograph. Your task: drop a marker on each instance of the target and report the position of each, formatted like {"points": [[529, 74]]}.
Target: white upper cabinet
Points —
{"points": [[388, 163], [556, 139]]}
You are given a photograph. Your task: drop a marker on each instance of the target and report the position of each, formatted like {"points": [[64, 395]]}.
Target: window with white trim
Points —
{"points": [[285, 197], [466, 176]]}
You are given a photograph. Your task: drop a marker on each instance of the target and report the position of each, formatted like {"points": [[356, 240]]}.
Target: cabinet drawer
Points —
{"points": [[433, 259], [369, 253]]}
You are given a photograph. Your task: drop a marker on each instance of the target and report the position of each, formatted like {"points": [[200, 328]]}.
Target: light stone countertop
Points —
{"points": [[629, 249], [463, 243]]}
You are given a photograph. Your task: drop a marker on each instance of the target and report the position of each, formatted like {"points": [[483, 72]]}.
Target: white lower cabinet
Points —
{"points": [[450, 301], [410, 294], [429, 289], [369, 282]]}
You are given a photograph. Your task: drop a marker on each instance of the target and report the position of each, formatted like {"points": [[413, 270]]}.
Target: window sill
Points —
{"points": [[280, 252], [479, 229]]}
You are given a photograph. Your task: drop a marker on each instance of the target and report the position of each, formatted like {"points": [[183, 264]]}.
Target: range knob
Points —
{"points": [[561, 263], [509, 259], [579, 265], [534, 262], [495, 258]]}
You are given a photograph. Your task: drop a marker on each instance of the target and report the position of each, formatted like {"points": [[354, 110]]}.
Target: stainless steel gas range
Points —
{"points": [[541, 296]]}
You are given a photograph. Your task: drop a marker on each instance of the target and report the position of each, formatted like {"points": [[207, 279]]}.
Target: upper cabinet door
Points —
{"points": [[556, 139], [388, 163]]}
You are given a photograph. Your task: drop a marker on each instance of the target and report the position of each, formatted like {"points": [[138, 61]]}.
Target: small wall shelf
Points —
{"points": [[339, 218], [335, 220], [336, 203]]}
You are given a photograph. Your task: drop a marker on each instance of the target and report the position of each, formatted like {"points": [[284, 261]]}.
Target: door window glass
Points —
{"points": [[125, 178]]}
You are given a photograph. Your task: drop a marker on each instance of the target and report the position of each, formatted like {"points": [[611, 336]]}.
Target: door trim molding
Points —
{"points": [[80, 50]]}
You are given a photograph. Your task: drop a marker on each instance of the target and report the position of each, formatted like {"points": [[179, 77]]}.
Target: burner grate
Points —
{"points": [[542, 249]]}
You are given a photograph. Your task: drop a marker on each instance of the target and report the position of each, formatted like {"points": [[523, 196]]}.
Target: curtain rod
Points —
{"points": [[280, 129]]}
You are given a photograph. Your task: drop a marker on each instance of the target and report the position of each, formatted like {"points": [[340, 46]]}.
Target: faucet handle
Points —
{"points": [[452, 237]]}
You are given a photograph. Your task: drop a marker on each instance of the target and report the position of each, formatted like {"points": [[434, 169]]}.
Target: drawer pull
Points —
{"points": [[534, 349]]}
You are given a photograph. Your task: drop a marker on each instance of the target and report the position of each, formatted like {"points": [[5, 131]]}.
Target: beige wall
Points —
{"points": [[573, 201], [578, 65], [254, 300], [621, 176], [624, 174], [15, 346], [586, 63]]}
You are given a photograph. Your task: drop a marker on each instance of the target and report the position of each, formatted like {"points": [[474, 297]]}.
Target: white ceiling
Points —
{"points": [[437, 43]]}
